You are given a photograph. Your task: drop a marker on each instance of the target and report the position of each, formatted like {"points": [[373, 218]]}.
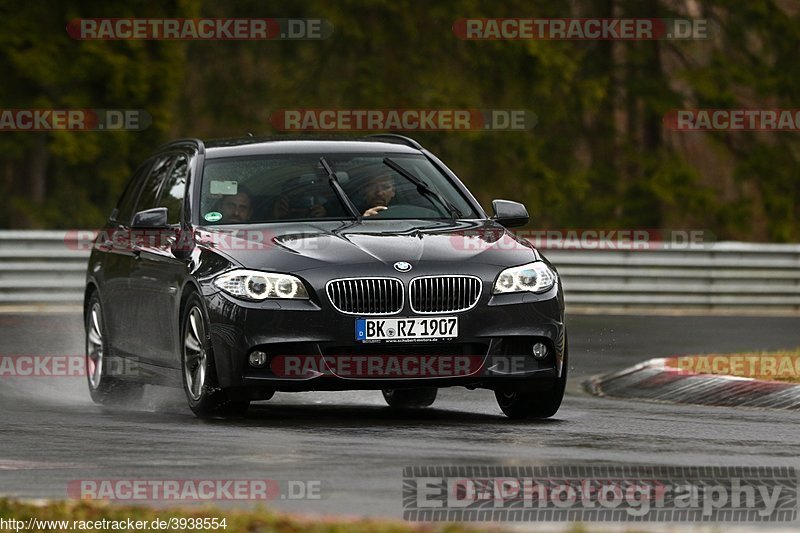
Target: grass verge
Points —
{"points": [[68, 516]]}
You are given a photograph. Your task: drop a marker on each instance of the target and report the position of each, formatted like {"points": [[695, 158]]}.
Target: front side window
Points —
{"points": [[127, 203], [297, 187], [148, 198], [174, 189]]}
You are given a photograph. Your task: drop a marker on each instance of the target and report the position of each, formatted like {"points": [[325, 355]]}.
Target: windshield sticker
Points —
{"points": [[224, 187], [213, 216]]}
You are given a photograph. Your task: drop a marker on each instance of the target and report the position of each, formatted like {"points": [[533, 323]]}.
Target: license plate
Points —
{"points": [[405, 329]]}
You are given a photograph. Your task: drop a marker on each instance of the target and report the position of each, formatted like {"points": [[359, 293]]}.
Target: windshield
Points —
{"points": [[280, 188]]}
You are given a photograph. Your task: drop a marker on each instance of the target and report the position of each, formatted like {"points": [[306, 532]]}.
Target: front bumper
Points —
{"points": [[492, 351]]}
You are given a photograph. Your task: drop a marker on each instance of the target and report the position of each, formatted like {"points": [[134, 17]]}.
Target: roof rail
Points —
{"points": [[197, 142], [394, 137]]}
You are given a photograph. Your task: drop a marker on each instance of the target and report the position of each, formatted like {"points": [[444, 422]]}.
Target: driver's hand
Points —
{"points": [[372, 211]]}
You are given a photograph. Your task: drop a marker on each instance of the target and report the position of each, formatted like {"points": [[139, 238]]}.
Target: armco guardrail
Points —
{"points": [[40, 267], [719, 276]]}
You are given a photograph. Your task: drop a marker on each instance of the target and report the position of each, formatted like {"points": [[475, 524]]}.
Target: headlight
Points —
{"points": [[255, 285], [533, 277]]}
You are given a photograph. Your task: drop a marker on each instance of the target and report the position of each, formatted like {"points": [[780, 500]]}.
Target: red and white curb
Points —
{"points": [[655, 381]]}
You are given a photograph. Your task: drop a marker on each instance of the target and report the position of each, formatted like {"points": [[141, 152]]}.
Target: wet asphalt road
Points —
{"points": [[51, 433]]}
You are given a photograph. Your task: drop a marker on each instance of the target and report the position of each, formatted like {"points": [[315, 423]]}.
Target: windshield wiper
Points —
{"points": [[337, 188], [423, 187]]}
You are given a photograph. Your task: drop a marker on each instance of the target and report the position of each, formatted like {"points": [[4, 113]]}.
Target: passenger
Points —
{"points": [[238, 208]]}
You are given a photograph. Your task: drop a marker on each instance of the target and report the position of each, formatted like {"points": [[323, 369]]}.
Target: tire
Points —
{"points": [[104, 388], [534, 404], [410, 398], [206, 399]]}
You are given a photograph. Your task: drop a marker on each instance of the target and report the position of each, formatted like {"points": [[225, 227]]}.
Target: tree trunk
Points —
{"points": [[38, 171]]}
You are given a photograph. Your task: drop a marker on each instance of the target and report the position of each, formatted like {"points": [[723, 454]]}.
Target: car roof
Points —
{"points": [[250, 146]]}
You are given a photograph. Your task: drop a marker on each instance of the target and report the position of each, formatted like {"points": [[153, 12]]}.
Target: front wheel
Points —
{"points": [[534, 404], [104, 388], [205, 397], [409, 398]]}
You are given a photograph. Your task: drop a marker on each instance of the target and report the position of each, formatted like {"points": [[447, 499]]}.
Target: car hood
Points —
{"points": [[305, 245]]}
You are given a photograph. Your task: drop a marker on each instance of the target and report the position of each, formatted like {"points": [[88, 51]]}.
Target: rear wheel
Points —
{"points": [[534, 404], [405, 398], [104, 388], [205, 397]]}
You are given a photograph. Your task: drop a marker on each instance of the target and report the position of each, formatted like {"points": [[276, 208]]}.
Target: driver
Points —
{"points": [[378, 193]]}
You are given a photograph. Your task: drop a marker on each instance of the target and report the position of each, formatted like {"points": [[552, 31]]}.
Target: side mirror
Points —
{"points": [[509, 214], [151, 218]]}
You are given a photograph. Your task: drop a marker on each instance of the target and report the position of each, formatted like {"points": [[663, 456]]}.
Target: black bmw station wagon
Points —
{"points": [[238, 268]]}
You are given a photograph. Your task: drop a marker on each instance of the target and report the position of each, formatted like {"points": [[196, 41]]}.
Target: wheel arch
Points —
{"points": [[189, 288], [91, 288]]}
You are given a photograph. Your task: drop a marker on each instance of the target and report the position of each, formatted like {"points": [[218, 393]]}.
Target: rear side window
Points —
{"points": [[127, 203]]}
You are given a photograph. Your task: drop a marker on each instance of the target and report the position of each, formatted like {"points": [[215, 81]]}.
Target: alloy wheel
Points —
{"points": [[194, 354]]}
